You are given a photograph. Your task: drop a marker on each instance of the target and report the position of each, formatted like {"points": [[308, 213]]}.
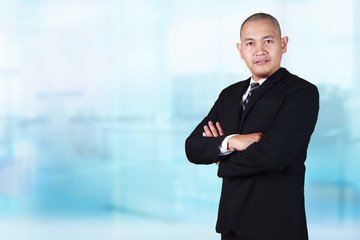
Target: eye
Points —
{"points": [[268, 41], [249, 43]]}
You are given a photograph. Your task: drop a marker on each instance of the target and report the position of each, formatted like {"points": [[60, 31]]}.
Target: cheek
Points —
{"points": [[246, 56], [277, 51], [243, 54]]}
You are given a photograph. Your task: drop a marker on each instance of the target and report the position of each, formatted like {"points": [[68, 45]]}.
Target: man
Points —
{"points": [[258, 132]]}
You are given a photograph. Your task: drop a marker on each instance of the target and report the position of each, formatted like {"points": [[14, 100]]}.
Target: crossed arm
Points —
{"points": [[286, 139], [238, 142]]}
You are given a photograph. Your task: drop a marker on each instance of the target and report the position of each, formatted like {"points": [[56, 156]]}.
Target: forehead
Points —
{"points": [[259, 29]]}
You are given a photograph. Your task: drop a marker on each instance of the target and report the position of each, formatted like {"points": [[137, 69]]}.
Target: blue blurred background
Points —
{"points": [[97, 98]]}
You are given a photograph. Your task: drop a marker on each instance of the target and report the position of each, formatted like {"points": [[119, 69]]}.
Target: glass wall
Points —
{"points": [[98, 97]]}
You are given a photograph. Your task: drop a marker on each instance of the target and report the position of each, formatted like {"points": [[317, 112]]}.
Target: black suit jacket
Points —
{"points": [[262, 194]]}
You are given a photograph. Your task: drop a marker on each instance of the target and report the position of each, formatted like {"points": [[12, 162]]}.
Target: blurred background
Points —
{"points": [[98, 97]]}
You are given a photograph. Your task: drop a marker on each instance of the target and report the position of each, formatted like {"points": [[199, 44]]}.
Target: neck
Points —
{"points": [[258, 78]]}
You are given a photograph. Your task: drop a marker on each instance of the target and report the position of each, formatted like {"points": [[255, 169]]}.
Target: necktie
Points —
{"points": [[254, 86]]}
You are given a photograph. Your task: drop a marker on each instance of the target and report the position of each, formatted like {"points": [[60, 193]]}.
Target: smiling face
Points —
{"points": [[261, 48]]}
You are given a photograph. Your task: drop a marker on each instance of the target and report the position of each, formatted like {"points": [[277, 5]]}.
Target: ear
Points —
{"points": [[284, 42], [238, 45]]}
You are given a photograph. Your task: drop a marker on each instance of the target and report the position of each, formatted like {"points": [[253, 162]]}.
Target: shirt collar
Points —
{"points": [[261, 81]]}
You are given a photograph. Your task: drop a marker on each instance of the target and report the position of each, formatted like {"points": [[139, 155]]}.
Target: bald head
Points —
{"points": [[262, 16]]}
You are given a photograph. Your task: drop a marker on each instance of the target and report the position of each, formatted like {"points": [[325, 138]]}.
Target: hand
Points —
{"points": [[213, 131], [242, 141]]}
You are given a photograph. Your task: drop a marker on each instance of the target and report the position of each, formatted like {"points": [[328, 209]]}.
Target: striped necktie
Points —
{"points": [[254, 86]]}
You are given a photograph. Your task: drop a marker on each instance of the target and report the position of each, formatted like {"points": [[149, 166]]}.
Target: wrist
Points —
{"points": [[230, 144]]}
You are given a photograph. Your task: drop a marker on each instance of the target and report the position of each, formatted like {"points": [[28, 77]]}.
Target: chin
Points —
{"points": [[264, 73], [261, 75]]}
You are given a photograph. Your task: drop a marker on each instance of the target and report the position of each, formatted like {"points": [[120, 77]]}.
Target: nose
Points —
{"points": [[260, 50]]}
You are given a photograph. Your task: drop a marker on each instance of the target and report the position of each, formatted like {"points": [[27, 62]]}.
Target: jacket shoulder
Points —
{"points": [[295, 82], [235, 87]]}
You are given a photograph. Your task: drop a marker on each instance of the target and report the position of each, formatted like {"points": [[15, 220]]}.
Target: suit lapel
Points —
{"points": [[264, 88], [237, 98], [241, 92]]}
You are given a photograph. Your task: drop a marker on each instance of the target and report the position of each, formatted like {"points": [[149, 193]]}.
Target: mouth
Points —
{"points": [[261, 62]]}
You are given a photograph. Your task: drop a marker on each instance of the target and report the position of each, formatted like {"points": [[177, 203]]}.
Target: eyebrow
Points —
{"points": [[251, 39], [268, 36], [248, 39]]}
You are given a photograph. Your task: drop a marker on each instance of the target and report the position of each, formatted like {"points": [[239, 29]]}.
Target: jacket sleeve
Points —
{"points": [[205, 150], [284, 141]]}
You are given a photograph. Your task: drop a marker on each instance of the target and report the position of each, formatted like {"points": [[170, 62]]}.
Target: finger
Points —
{"points": [[254, 138], [260, 134], [218, 125], [213, 129], [259, 137], [207, 131], [204, 134]]}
